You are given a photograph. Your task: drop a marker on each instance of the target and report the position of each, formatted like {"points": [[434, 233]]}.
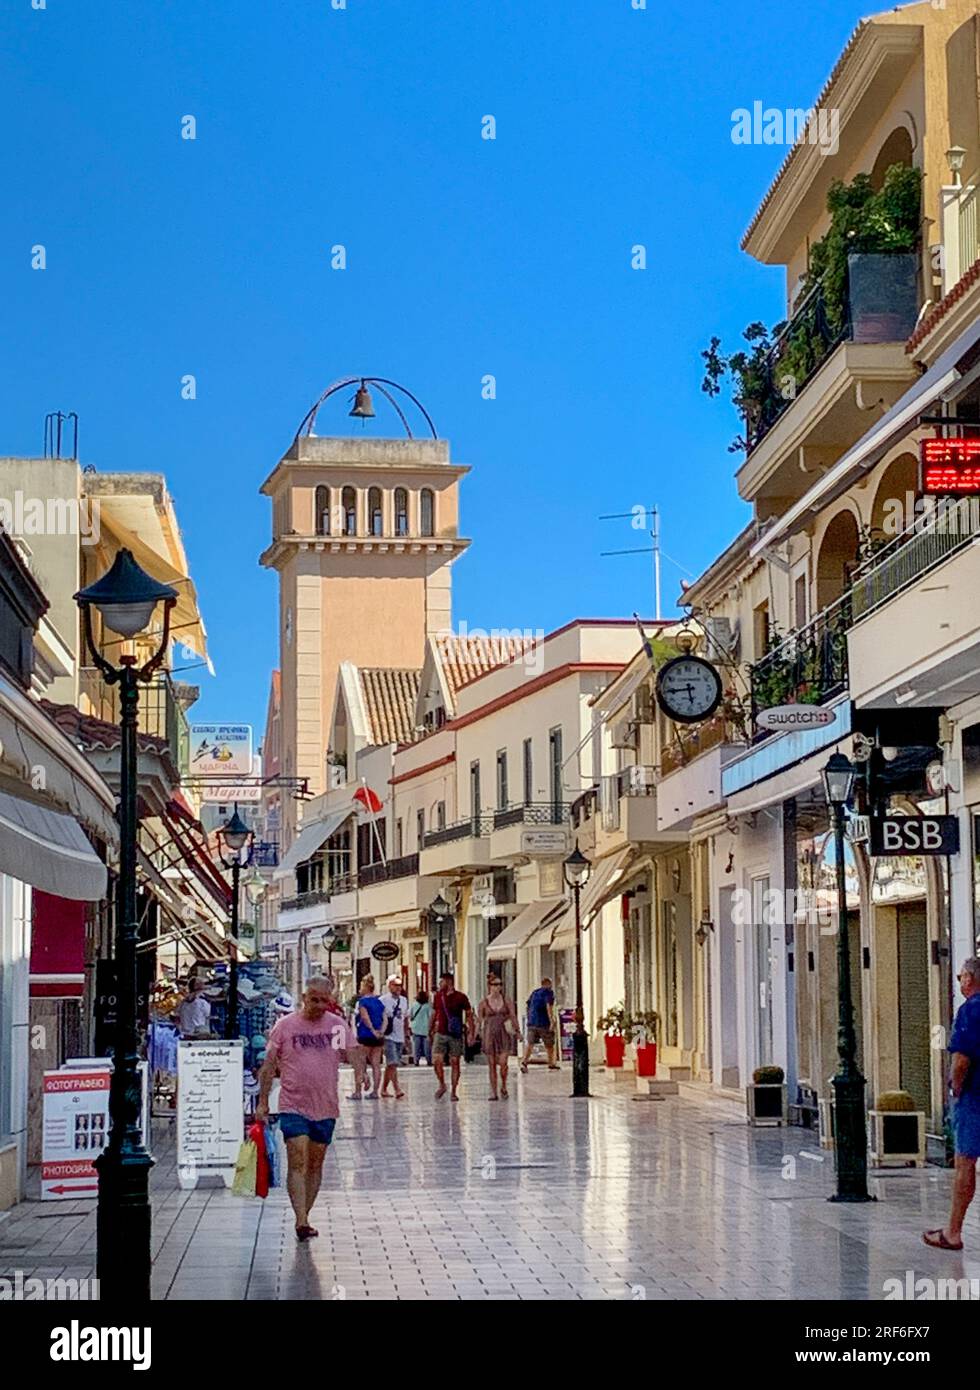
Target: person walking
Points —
{"points": [[541, 1023], [964, 1082], [419, 1016], [498, 1027], [395, 1018], [370, 1031], [451, 1023], [306, 1049]]}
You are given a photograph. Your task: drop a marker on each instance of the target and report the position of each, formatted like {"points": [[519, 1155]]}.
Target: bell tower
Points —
{"points": [[364, 534]]}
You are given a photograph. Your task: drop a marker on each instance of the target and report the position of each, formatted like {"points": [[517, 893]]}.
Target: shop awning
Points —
{"points": [[529, 920], [49, 850], [186, 623], [309, 840], [607, 876]]}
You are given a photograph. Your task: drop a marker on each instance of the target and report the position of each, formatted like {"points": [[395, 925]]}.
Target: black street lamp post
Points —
{"points": [[577, 870], [850, 1124], [126, 598], [234, 836]]}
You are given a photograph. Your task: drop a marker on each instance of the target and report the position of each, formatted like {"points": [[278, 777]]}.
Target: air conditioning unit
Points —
{"points": [[624, 734]]}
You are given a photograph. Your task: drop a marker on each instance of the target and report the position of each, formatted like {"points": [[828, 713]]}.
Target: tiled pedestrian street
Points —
{"points": [[532, 1198]]}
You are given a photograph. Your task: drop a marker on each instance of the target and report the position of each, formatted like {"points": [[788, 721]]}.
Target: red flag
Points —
{"points": [[368, 799]]}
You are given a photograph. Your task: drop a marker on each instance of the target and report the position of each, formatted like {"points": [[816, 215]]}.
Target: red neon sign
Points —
{"points": [[950, 466]]}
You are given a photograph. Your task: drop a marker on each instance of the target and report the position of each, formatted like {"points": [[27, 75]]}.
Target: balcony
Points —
{"points": [[627, 810], [403, 867], [539, 829], [811, 392], [265, 854], [809, 667], [456, 848], [689, 744], [160, 712], [923, 585]]}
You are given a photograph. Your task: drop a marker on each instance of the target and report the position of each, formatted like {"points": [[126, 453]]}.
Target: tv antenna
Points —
{"points": [[654, 516]]}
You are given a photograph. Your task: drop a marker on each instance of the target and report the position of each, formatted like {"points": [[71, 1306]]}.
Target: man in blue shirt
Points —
{"points": [[964, 1081], [541, 1023]]}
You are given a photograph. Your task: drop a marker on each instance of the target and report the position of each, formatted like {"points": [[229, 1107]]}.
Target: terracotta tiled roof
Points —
{"points": [[939, 312], [389, 699], [794, 152], [97, 733], [465, 658]]}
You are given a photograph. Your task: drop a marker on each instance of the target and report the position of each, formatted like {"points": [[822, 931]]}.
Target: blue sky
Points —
{"points": [[466, 257]]}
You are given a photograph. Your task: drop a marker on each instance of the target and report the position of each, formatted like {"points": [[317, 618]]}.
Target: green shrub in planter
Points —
{"points": [[768, 1076], [895, 1101]]}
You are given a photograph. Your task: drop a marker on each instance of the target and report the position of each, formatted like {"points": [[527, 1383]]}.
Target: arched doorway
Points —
{"points": [[892, 509], [897, 149], [836, 559]]}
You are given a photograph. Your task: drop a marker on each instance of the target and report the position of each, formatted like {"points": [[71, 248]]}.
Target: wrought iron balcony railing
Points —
{"points": [[475, 826], [880, 304], [930, 540], [690, 744], [807, 667], [403, 867], [532, 813]]}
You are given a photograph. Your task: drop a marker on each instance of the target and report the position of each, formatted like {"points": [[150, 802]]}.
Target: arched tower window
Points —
{"points": [[321, 511], [426, 512], [375, 521], [401, 512], [350, 511]]}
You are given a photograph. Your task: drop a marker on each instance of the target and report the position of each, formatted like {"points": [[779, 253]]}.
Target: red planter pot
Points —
{"points": [[646, 1059], [615, 1050]]}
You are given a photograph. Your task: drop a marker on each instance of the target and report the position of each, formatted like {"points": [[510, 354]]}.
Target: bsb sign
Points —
{"points": [[915, 835]]}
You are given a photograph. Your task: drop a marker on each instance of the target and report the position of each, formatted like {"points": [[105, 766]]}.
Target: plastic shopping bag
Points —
{"points": [[246, 1170]]}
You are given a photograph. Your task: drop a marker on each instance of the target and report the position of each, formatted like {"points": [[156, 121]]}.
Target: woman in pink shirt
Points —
{"points": [[306, 1049]]}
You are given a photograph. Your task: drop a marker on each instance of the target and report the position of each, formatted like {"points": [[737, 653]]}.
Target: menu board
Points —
{"points": [[209, 1109]]}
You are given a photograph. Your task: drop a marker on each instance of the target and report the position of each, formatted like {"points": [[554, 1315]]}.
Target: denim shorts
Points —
{"points": [[298, 1126], [393, 1052], [966, 1126]]}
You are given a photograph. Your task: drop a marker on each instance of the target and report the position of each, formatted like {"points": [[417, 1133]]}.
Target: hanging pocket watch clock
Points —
{"points": [[688, 689]]}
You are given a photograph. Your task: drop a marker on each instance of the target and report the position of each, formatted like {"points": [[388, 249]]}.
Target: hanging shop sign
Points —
{"points": [[209, 1109], [950, 467], [926, 835], [796, 717], [545, 841], [384, 950], [221, 749]]}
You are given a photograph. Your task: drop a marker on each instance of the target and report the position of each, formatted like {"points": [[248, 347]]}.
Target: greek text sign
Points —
{"points": [[915, 835]]}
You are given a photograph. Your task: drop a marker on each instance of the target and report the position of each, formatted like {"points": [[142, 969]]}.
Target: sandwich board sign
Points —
{"points": [[210, 1109]]}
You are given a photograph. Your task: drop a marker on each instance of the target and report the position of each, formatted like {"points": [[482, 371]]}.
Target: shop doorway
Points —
{"points": [[762, 936], [669, 974]]}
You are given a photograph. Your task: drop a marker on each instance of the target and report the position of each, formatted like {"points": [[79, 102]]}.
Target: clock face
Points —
{"points": [[688, 689]]}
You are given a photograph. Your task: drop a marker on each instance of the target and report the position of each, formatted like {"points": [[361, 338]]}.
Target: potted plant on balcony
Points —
{"points": [[862, 277], [644, 1032], [616, 1024], [897, 1130], [765, 1099]]}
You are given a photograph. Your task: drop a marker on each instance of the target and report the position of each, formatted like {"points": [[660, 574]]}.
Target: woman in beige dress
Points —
{"points": [[498, 1026]]}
